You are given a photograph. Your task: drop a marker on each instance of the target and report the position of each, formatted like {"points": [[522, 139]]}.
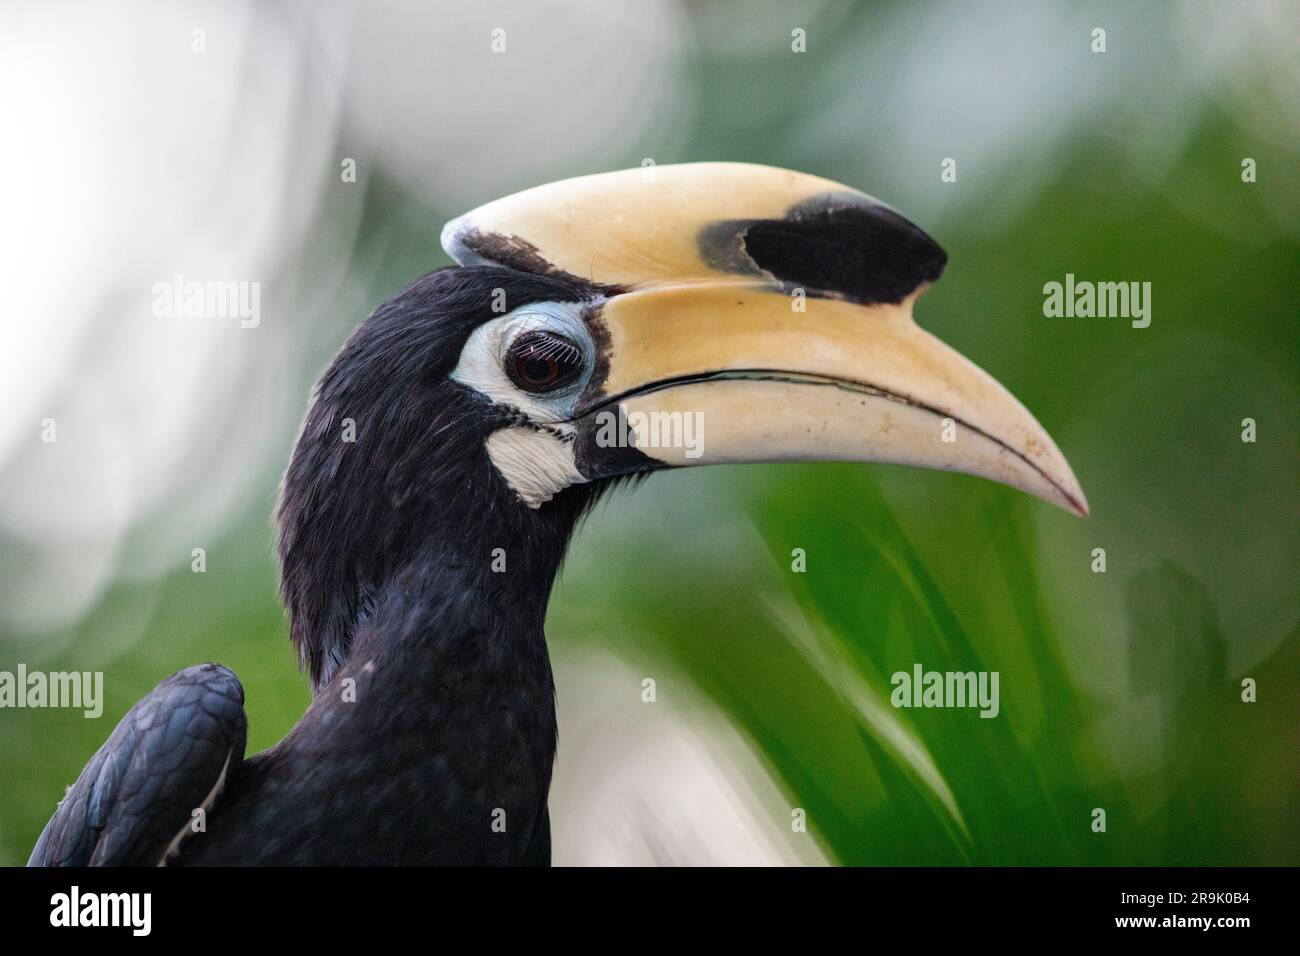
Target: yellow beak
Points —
{"points": [[749, 314]]}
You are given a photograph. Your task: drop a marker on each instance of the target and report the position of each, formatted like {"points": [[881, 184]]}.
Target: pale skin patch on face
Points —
{"points": [[536, 464]]}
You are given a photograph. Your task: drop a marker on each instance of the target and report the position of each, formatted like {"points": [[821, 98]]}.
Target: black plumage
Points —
{"points": [[431, 734]]}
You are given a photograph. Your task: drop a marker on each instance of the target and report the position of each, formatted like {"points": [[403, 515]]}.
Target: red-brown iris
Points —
{"points": [[543, 361]]}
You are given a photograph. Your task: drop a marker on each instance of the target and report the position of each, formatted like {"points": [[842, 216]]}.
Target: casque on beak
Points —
{"points": [[770, 309]]}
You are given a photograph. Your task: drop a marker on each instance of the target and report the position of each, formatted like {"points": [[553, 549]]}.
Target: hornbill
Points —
{"points": [[490, 404]]}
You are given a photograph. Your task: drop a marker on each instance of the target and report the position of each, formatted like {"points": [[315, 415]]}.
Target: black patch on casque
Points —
{"points": [[514, 252], [835, 246]]}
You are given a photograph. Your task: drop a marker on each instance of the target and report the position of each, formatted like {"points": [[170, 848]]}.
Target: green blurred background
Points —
{"points": [[1119, 691]]}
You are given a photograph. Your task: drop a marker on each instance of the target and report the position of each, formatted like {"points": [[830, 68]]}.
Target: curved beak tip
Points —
{"points": [[1068, 492], [1079, 505], [845, 376], [1075, 506]]}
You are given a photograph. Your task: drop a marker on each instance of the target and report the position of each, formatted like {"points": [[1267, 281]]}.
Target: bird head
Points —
{"points": [[614, 325]]}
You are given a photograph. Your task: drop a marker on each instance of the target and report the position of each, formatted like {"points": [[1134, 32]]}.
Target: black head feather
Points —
{"points": [[417, 477]]}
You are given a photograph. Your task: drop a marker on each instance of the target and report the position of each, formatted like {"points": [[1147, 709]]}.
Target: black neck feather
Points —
{"points": [[390, 480]]}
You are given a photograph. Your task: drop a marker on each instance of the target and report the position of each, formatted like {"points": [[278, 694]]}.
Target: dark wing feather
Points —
{"points": [[173, 752]]}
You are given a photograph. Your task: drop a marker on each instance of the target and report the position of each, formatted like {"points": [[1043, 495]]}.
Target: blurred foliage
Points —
{"points": [[1119, 690]]}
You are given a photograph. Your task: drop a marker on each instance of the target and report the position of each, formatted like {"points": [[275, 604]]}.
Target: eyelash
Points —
{"points": [[564, 361]]}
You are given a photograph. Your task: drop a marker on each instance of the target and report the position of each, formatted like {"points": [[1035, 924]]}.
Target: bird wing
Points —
{"points": [[171, 754]]}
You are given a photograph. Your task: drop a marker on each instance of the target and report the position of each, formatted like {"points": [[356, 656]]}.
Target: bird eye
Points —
{"points": [[542, 361]]}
